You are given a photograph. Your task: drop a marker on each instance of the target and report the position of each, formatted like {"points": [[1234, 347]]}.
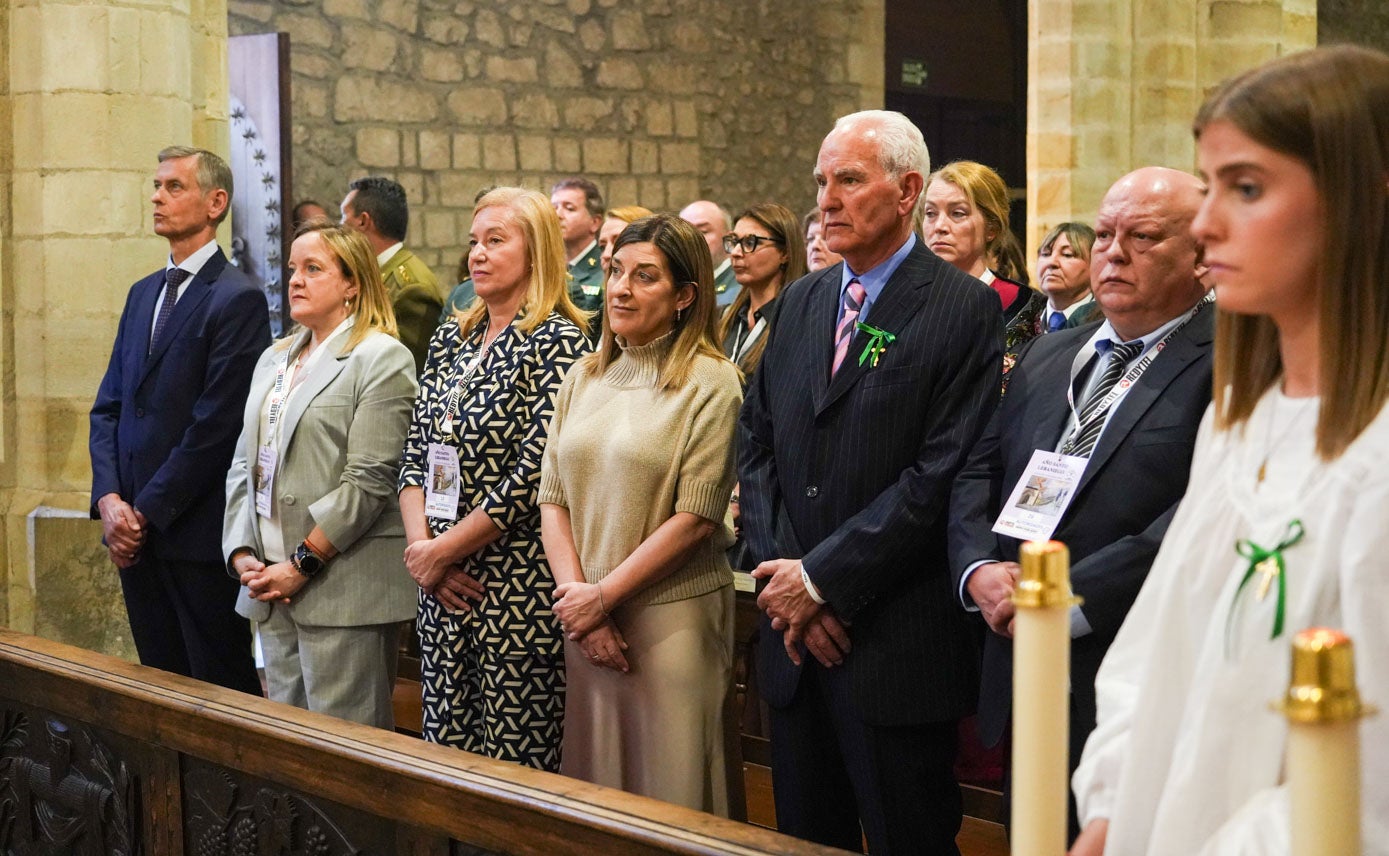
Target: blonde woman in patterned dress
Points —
{"points": [[490, 651]]}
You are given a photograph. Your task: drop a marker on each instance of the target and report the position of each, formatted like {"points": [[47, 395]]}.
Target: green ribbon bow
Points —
{"points": [[877, 343], [1272, 568]]}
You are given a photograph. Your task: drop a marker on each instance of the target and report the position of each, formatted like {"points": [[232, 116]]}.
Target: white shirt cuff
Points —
{"points": [[965, 600], [810, 587], [1079, 625]]}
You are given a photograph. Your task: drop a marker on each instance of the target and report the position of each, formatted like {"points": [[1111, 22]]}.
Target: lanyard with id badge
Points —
{"points": [[267, 454], [1048, 483], [441, 486]]}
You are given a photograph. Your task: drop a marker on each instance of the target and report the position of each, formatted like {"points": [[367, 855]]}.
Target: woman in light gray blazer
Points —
{"points": [[313, 528]]}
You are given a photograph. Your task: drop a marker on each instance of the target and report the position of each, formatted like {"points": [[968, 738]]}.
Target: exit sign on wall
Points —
{"points": [[914, 73]]}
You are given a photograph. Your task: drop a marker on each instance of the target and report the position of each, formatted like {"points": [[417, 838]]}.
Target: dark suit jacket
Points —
{"points": [[853, 475], [164, 426], [1130, 489]]}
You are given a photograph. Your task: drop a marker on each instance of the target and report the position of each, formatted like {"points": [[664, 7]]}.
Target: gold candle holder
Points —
{"points": [[1322, 687], [1323, 708], [1041, 699], [1045, 579]]}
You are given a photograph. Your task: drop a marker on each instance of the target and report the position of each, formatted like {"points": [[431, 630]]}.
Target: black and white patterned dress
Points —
{"points": [[494, 677]]}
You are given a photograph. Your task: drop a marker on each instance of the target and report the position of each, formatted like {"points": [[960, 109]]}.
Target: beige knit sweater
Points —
{"points": [[624, 456]]}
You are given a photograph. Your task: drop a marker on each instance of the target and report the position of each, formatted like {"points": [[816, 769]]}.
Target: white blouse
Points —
{"points": [[1187, 756]]}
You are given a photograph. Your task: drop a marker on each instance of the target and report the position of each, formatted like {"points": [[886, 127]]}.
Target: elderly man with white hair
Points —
{"points": [[878, 377]]}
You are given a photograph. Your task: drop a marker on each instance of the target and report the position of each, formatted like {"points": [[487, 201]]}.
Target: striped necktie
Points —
{"points": [[854, 296], [1090, 424]]}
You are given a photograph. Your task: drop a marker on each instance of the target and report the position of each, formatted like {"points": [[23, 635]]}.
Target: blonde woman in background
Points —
{"points": [[614, 222], [966, 224]]}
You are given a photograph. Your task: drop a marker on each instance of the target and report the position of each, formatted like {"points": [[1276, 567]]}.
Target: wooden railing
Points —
{"points": [[101, 757]]}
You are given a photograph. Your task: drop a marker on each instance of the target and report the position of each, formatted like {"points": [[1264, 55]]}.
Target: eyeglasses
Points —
{"points": [[749, 243]]}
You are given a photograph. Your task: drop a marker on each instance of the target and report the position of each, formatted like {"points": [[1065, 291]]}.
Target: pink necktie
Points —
{"points": [[844, 333]]}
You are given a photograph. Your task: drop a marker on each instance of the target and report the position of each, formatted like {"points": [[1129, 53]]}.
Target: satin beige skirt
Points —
{"points": [[658, 729]]}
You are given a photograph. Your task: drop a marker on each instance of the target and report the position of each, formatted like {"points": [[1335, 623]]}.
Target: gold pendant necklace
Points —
{"points": [[1270, 445]]}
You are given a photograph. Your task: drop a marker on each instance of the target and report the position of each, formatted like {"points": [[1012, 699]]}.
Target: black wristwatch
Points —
{"points": [[306, 561]]}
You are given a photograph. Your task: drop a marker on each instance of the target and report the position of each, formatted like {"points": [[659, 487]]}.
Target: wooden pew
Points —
{"points": [[102, 757]]}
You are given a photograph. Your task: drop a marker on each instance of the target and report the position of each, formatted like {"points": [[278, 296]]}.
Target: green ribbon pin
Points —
{"points": [[877, 343], [1271, 568]]}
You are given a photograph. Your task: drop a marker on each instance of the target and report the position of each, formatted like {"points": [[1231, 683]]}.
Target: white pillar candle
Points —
{"points": [[1323, 756], [1041, 691]]}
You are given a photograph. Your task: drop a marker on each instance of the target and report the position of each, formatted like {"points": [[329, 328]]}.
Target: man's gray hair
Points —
{"points": [[901, 148], [211, 172]]}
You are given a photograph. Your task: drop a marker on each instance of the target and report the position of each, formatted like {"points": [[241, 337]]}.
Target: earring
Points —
{"points": [[677, 315]]}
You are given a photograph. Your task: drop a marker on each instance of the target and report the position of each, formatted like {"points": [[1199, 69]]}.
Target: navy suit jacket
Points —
{"points": [[1120, 510], [853, 475], [165, 423]]}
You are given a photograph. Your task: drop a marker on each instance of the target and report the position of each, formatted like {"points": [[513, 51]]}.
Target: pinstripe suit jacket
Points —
{"points": [[853, 474], [340, 445]]}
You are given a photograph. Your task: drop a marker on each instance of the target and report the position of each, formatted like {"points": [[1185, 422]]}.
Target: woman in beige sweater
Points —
{"points": [[634, 489]]}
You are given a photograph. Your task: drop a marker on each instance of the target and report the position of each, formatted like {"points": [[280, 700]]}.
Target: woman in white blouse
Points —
{"points": [[1187, 756], [312, 527]]}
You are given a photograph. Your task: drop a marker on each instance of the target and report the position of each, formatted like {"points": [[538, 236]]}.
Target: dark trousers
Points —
{"points": [[183, 619], [836, 778]]}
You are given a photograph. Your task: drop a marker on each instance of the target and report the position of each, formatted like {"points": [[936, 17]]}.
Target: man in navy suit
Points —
{"points": [[879, 375], [1137, 450], [164, 427]]}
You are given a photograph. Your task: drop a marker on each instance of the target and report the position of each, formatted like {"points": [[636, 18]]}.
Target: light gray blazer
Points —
{"points": [[340, 441]]}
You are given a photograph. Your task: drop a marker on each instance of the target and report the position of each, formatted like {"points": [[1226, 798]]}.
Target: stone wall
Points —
{"points": [[660, 102], [1364, 22], [1113, 85]]}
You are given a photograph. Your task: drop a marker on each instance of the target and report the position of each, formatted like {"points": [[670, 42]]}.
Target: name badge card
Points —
{"points": [[265, 478], [1041, 496], [441, 483]]}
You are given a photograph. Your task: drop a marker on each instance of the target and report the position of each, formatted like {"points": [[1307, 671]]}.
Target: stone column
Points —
{"points": [[1114, 85], [93, 92]]}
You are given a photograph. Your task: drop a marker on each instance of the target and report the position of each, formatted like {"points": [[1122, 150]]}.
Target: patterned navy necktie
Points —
{"points": [[173, 278]]}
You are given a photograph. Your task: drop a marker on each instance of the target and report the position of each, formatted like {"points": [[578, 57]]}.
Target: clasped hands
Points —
{"points": [[442, 575], [801, 620], [123, 527], [581, 612], [279, 581], [991, 586]]}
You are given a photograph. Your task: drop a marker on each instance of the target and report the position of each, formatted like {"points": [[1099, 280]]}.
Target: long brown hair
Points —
{"points": [[548, 288], [782, 224], [1329, 109], [687, 256]]}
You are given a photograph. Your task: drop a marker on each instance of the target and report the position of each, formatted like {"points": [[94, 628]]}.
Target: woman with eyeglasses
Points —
{"points": [[767, 253]]}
